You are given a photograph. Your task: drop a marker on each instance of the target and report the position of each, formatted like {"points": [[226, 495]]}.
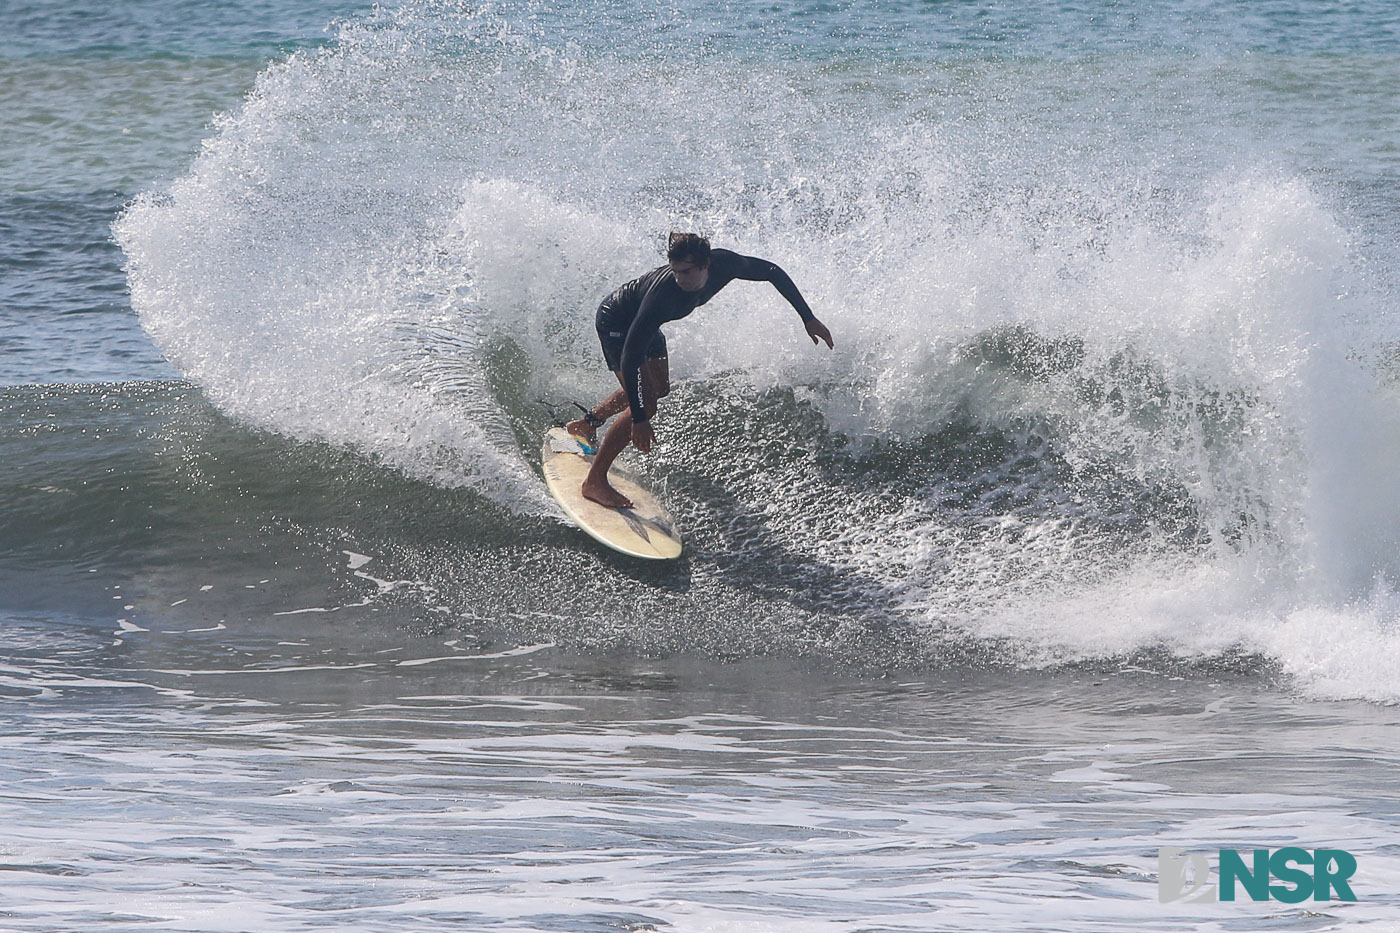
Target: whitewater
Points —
{"points": [[1175, 352]]}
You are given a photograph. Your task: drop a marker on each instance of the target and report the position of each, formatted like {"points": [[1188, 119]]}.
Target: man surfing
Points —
{"points": [[629, 328]]}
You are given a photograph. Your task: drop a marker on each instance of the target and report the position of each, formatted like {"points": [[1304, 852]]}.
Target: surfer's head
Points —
{"points": [[689, 256]]}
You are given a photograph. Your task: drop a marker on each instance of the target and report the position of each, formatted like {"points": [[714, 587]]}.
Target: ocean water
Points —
{"points": [[1082, 543]]}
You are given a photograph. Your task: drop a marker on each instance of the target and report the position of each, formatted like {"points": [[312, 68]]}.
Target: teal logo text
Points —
{"points": [[1320, 874]]}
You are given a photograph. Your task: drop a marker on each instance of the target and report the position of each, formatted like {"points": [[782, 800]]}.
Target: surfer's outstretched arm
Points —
{"points": [[753, 269]]}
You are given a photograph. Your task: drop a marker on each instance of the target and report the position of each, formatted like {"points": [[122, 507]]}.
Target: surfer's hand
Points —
{"points": [[642, 436], [817, 331]]}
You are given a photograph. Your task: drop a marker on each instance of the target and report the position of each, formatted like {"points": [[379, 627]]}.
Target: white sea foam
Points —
{"points": [[398, 242]]}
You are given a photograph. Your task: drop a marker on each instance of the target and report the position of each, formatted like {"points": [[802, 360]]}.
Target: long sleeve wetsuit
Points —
{"points": [[640, 307]]}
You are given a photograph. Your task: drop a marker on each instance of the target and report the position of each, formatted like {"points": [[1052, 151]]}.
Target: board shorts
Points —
{"points": [[613, 341]]}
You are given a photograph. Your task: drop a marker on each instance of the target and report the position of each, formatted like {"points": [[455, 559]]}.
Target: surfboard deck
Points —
{"points": [[646, 530]]}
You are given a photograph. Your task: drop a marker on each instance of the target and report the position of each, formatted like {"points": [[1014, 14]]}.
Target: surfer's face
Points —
{"points": [[689, 276]]}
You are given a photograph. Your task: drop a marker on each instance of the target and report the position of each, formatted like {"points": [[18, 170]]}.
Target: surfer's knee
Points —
{"points": [[658, 376]]}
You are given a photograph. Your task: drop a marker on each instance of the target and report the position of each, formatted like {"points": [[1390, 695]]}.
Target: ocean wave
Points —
{"points": [[1086, 401]]}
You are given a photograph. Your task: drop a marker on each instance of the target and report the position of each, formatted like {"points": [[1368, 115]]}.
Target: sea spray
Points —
{"points": [[1090, 397]]}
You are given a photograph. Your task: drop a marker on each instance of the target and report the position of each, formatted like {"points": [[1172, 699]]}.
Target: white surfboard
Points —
{"points": [[645, 530]]}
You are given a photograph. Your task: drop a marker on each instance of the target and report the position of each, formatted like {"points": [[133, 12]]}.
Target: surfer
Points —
{"points": [[629, 328]]}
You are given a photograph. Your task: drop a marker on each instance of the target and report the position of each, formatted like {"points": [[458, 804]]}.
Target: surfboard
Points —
{"points": [[646, 530]]}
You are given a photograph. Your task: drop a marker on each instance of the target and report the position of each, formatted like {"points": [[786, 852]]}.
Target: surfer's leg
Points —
{"points": [[659, 372], [657, 369], [580, 427], [655, 376], [596, 485], [612, 342]]}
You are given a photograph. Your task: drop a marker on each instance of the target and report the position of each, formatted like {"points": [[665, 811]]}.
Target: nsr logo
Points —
{"points": [[1331, 869]]}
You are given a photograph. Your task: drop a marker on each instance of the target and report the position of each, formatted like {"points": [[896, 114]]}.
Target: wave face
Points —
{"points": [[1110, 379]]}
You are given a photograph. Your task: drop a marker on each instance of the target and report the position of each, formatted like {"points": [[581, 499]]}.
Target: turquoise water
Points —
{"points": [[1081, 543]]}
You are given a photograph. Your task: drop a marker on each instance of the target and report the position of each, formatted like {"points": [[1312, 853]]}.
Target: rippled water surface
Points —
{"points": [[352, 780]]}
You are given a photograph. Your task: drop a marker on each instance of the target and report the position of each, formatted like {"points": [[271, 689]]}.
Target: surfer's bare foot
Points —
{"points": [[603, 494], [579, 427]]}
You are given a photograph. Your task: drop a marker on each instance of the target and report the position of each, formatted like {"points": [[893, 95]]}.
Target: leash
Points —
{"points": [[559, 422]]}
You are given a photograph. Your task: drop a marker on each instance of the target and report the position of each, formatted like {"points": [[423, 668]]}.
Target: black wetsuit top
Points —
{"points": [[640, 307]]}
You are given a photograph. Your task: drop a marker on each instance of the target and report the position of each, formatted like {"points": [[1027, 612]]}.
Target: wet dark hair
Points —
{"points": [[688, 247]]}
